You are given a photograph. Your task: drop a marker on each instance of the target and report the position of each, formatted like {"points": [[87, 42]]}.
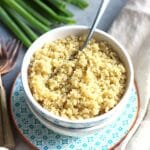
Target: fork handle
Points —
{"points": [[7, 130], [1, 128]]}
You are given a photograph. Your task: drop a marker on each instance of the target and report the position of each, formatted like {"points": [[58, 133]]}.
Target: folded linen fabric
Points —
{"points": [[132, 30]]}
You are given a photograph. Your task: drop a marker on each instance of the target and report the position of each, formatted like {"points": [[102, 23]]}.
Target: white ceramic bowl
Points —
{"points": [[62, 32], [71, 131]]}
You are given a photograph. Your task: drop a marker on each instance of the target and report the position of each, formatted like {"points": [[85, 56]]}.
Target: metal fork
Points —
{"points": [[8, 56]]}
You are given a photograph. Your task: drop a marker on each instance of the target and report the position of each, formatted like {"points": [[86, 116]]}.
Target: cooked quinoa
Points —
{"points": [[82, 87]]}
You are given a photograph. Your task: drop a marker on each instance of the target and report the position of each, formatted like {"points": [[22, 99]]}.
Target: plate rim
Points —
{"points": [[27, 141]]}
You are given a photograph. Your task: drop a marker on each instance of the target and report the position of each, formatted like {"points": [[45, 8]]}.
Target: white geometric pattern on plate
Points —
{"points": [[44, 139]]}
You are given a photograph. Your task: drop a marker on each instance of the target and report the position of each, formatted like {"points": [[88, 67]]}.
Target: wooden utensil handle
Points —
{"points": [[8, 135], [1, 127]]}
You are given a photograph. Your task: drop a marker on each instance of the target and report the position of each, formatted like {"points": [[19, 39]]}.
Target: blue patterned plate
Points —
{"points": [[44, 139]]}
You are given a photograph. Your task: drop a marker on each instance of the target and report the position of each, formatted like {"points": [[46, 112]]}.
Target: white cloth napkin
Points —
{"points": [[132, 29]]}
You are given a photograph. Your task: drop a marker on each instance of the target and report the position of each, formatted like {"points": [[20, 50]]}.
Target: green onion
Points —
{"points": [[62, 9], [79, 3], [23, 17], [14, 27], [58, 3], [53, 14], [14, 5], [34, 12], [23, 25]]}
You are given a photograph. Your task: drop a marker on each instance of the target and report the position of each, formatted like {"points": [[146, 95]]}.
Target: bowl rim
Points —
{"points": [[24, 76]]}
